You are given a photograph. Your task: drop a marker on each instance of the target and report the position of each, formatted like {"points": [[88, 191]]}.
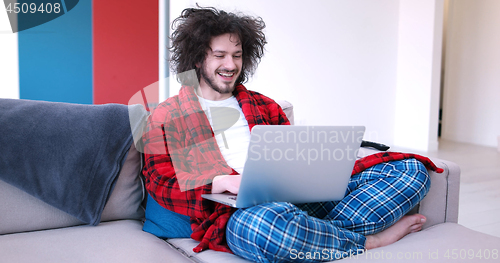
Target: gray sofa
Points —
{"points": [[33, 231]]}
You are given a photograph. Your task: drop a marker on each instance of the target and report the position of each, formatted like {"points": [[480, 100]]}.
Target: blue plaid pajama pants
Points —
{"points": [[283, 232]]}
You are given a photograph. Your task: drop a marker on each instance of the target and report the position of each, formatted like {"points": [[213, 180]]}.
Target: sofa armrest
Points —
{"points": [[441, 203]]}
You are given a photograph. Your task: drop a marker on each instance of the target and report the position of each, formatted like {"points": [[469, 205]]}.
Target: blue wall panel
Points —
{"points": [[55, 58]]}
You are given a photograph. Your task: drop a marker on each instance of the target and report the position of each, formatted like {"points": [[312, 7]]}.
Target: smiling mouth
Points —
{"points": [[226, 74]]}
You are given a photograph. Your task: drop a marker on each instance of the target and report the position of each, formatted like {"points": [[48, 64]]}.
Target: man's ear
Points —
{"points": [[198, 65]]}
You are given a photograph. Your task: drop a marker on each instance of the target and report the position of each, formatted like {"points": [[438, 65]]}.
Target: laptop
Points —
{"points": [[296, 164]]}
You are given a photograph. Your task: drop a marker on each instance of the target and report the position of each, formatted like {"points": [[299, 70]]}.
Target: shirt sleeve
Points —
{"points": [[170, 177]]}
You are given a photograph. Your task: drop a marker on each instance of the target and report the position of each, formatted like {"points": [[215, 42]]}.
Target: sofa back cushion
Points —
{"points": [[129, 192], [21, 212]]}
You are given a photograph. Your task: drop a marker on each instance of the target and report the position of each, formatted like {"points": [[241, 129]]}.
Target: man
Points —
{"points": [[186, 158]]}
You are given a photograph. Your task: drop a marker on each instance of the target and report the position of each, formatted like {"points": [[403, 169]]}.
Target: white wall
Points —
{"points": [[419, 74], [337, 61], [471, 106], [9, 65]]}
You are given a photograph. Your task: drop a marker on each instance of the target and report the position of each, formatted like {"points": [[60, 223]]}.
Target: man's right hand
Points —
{"points": [[222, 183]]}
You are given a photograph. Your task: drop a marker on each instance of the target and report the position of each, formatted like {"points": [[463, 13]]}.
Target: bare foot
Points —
{"points": [[405, 226]]}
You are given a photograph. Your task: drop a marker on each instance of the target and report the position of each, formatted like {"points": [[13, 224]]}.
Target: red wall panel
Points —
{"points": [[125, 37]]}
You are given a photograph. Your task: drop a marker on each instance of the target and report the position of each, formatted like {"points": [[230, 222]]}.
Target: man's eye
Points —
{"points": [[237, 56]]}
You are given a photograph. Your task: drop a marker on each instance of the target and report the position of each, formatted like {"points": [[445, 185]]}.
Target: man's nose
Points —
{"points": [[229, 63]]}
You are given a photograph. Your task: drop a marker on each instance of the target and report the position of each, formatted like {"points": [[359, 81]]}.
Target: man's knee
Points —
{"points": [[415, 174], [421, 174]]}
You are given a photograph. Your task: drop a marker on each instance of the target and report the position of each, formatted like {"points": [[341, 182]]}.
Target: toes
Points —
{"points": [[415, 228], [422, 218], [418, 219]]}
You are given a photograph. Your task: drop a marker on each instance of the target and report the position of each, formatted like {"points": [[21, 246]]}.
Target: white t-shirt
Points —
{"points": [[234, 148]]}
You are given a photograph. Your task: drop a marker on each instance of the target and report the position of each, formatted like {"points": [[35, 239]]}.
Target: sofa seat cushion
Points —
{"points": [[442, 242], [186, 245], [447, 242], [116, 241]]}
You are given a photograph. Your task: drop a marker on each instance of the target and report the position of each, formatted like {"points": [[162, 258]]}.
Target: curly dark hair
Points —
{"points": [[194, 29]]}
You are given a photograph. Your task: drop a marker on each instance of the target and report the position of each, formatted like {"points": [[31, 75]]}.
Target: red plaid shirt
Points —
{"points": [[182, 157]]}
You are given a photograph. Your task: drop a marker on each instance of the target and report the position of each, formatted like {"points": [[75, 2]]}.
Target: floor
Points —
{"points": [[479, 184]]}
